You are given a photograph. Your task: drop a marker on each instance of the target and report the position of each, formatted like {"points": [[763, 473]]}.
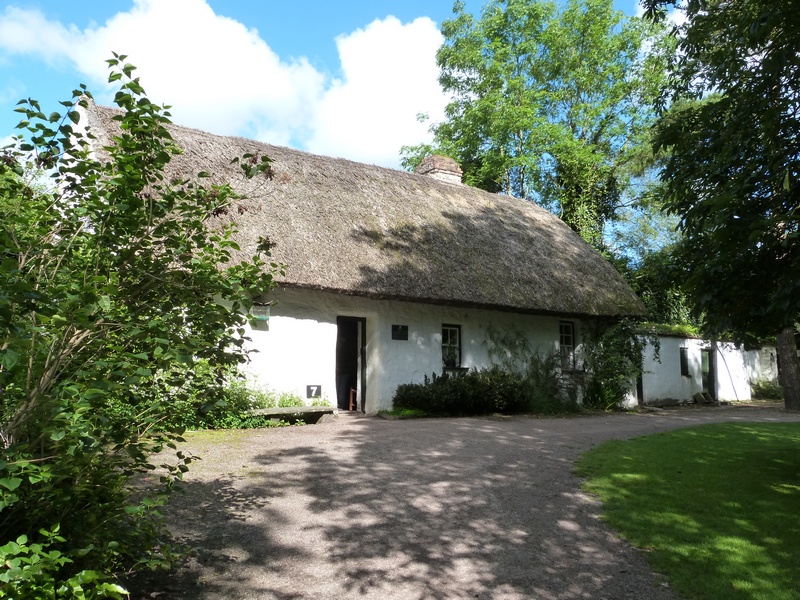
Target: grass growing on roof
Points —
{"points": [[717, 506]]}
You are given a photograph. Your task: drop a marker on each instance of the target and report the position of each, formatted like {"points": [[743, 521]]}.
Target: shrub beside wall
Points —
{"points": [[487, 391], [764, 389], [524, 379]]}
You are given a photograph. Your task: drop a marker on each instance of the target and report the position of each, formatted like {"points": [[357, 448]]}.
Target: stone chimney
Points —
{"points": [[442, 168]]}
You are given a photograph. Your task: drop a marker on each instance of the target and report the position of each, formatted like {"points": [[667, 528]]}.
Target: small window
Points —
{"points": [[451, 346], [685, 362], [566, 344], [400, 332]]}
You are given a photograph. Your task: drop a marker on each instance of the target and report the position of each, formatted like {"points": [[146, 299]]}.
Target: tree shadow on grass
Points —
{"points": [[718, 504]]}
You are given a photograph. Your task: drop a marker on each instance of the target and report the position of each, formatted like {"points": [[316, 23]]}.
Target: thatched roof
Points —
{"points": [[370, 231]]}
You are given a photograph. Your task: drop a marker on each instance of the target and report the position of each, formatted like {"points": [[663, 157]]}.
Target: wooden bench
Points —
{"points": [[309, 414]]}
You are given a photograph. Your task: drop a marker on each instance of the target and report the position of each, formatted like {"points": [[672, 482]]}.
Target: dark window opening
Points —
{"points": [[400, 332], [685, 362]]}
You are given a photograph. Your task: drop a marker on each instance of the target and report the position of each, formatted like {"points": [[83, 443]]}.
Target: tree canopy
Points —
{"points": [[550, 105], [732, 136]]}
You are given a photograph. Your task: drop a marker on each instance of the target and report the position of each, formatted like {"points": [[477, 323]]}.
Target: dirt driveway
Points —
{"points": [[364, 507]]}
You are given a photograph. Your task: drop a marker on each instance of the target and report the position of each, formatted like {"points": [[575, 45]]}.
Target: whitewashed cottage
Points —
{"points": [[391, 275]]}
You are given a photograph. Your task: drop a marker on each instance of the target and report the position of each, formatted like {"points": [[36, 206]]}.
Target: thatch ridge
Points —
{"points": [[371, 231]]}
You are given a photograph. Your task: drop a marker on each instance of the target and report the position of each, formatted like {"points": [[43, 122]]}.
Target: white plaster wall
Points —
{"points": [[762, 364], [298, 347], [288, 353], [663, 380], [733, 381], [410, 361]]}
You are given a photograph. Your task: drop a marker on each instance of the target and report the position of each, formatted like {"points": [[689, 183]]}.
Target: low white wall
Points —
{"points": [[663, 382], [733, 380], [762, 364], [297, 347]]}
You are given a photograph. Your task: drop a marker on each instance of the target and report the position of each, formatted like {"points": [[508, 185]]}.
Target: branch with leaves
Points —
{"points": [[113, 284]]}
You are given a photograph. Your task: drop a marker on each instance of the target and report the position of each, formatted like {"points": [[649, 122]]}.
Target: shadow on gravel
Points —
{"points": [[458, 508], [212, 518], [387, 509], [459, 512]]}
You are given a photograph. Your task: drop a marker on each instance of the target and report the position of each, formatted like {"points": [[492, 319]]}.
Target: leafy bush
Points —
{"points": [[764, 389], [525, 379], [201, 401], [546, 389], [492, 390], [474, 393], [80, 488], [113, 286], [613, 355], [30, 572]]}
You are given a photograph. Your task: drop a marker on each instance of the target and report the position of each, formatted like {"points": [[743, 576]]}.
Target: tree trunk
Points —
{"points": [[789, 368]]}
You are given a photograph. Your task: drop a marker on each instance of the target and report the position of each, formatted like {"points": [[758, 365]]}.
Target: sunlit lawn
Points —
{"points": [[717, 507]]}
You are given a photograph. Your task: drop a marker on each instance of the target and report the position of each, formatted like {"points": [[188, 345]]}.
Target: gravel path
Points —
{"points": [[362, 507]]}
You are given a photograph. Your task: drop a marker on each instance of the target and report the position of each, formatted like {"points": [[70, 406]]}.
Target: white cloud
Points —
{"points": [[29, 32], [390, 75], [223, 77], [677, 16]]}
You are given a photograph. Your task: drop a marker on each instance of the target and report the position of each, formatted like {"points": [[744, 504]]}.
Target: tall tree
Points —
{"points": [[548, 105], [733, 135], [112, 283]]}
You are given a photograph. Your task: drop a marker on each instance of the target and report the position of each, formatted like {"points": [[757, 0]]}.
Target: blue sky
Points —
{"points": [[342, 78]]}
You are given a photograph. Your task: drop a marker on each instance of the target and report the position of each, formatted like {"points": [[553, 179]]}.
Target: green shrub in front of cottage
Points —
{"points": [[199, 401], [476, 392], [532, 384]]}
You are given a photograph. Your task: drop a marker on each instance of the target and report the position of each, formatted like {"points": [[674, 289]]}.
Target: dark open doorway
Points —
{"points": [[351, 368], [708, 369], [640, 390]]}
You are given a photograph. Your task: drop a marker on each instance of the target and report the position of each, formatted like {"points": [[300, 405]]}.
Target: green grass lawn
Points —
{"points": [[716, 507]]}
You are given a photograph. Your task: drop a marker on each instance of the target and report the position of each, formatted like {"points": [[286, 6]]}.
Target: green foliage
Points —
{"points": [[474, 393], [113, 287], [657, 279], [200, 402], [521, 380], [548, 390], [732, 136], [687, 331], [613, 356], [550, 105], [404, 413], [30, 568], [765, 389], [734, 162], [739, 537], [545, 387]]}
